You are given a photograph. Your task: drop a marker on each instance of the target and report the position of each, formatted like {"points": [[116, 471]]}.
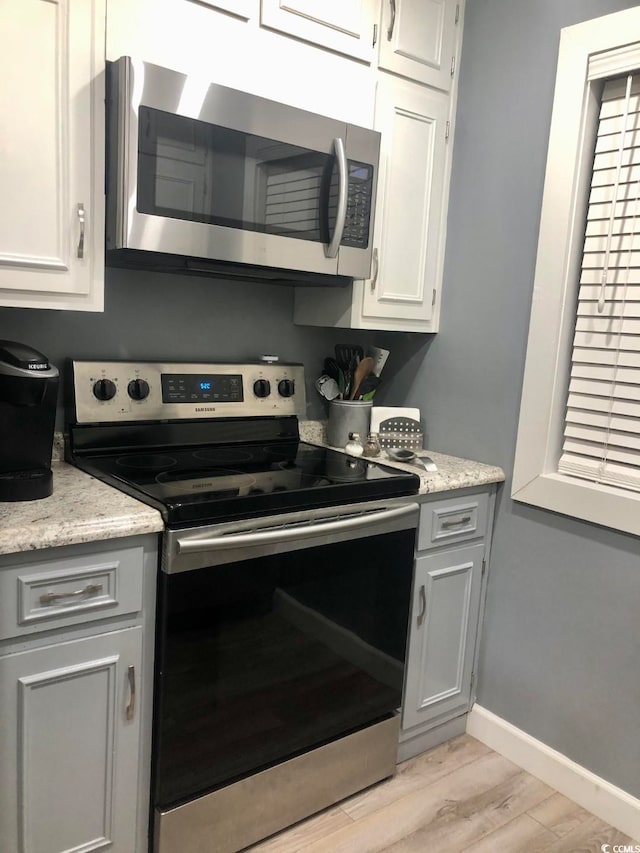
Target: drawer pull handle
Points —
{"points": [[131, 707], [423, 605], [457, 523], [90, 590]]}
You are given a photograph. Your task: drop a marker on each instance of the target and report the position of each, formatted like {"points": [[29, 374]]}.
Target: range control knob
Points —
{"points": [[286, 388], [262, 387], [138, 389], [104, 389]]}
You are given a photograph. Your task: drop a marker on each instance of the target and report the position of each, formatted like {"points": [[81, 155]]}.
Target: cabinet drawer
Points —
{"points": [[71, 589], [452, 520]]}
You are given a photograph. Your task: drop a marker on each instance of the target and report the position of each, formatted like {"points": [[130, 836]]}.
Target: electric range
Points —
{"points": [[283, 593], [210, 442]]}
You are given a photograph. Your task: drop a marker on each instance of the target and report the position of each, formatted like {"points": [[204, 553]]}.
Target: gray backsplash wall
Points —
{"points": [[190, 318], [561, 642]]}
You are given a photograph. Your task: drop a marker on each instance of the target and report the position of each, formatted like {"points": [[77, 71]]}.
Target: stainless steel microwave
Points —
{"points": [[203, 178]]}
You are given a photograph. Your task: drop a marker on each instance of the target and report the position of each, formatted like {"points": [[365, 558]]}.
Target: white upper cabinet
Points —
{"points": [[52, 154], [408, 235], [418, 39], [404, 290], [197, 38], [346, 26], [242, 8]]}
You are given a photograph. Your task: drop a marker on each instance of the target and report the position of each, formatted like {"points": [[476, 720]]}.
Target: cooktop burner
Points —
{"points": [[213, 483]]}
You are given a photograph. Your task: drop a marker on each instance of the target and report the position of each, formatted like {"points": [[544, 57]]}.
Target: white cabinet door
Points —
{"points": [[409, 228], [69, 745], [403, 293], [346, 26], [418, 39], [52, 153], [443, 629]]}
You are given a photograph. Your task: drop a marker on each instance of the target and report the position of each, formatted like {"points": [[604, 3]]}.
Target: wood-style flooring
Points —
{"points": [[460, 797]]}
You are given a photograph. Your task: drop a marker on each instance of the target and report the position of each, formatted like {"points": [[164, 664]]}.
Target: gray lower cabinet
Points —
{"points": [[75, 697], [448, 593]]}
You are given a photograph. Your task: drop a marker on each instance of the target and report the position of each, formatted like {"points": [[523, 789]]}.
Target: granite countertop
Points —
{"points": [[81, 509], [453, 472]]}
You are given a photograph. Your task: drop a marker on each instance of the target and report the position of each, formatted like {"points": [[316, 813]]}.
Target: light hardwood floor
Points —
{"points": [[460, 797]]}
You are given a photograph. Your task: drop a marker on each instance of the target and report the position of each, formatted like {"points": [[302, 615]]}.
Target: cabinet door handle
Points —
{"points": [[446, 525], [392, 22], [81, 220], [131, 707], [376, 266], [90, 590], [423, 605]]}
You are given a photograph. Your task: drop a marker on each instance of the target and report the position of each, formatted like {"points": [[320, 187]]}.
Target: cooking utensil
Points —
{"points": [[400, 432], [348, 376], [368, 386], [327, 387], [346, 352], [403, 454], [331, 367], [363, 369]]}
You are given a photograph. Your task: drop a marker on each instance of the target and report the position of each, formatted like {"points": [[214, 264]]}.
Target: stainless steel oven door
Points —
{"points": [[205, 171], [275, 637]]}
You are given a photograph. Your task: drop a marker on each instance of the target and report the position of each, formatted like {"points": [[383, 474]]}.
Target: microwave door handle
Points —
{"points": [[331, 251]]}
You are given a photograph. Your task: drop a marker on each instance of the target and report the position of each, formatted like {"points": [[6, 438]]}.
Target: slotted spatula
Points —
{"points": [[346, 352]]}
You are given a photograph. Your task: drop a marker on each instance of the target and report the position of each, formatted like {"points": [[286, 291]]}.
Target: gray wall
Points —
{"points": [[561, 647], [151, 316]]}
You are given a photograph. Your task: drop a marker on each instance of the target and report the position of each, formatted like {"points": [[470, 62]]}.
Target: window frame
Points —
{"points": [[588, 53]]}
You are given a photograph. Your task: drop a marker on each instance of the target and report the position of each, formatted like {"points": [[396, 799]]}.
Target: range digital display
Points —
{"points": [[199, 388]]}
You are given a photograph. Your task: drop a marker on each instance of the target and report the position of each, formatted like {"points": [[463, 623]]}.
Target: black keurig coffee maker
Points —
{"points": [[28, 396]]}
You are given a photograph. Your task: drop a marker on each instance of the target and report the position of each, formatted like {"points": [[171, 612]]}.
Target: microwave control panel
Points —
{"points": [[359, 194]]}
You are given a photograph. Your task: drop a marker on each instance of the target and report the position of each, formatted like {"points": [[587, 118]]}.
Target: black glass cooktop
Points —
{"points": [[211, 483]]}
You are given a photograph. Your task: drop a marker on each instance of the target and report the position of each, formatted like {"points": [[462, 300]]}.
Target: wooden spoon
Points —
{"points": [[361, 372]]}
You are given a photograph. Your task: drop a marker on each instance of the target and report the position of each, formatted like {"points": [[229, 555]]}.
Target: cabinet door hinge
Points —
{"points": [[447, 130], [484, 567], [473, 679], [433, 297], [453, 65], [375, 35], [457, 13]]}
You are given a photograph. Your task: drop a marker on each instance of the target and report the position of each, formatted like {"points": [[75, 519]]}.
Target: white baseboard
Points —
{"points": [[593, 793]]}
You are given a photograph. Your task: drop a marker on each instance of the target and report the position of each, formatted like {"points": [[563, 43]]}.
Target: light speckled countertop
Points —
{"points": [[453, 472], [83, 509]]}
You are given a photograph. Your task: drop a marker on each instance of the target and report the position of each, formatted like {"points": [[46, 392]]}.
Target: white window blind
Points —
{"points": [[602, 427]]}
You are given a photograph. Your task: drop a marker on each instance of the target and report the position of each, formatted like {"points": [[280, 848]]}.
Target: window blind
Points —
{"points": [[602, 425]]}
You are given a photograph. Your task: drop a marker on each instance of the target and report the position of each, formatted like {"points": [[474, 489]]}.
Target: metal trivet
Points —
{"points": [[401, 432]]}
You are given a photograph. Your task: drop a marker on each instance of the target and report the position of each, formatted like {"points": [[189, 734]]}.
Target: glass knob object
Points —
{"points": [[372, 445], [354, 446]]}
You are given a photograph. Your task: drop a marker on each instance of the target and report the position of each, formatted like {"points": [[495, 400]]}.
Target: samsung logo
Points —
{"points": [[200, 409]]}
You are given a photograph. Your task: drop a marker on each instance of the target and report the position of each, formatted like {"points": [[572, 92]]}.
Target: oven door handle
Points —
{"points": [[299, 531]]}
